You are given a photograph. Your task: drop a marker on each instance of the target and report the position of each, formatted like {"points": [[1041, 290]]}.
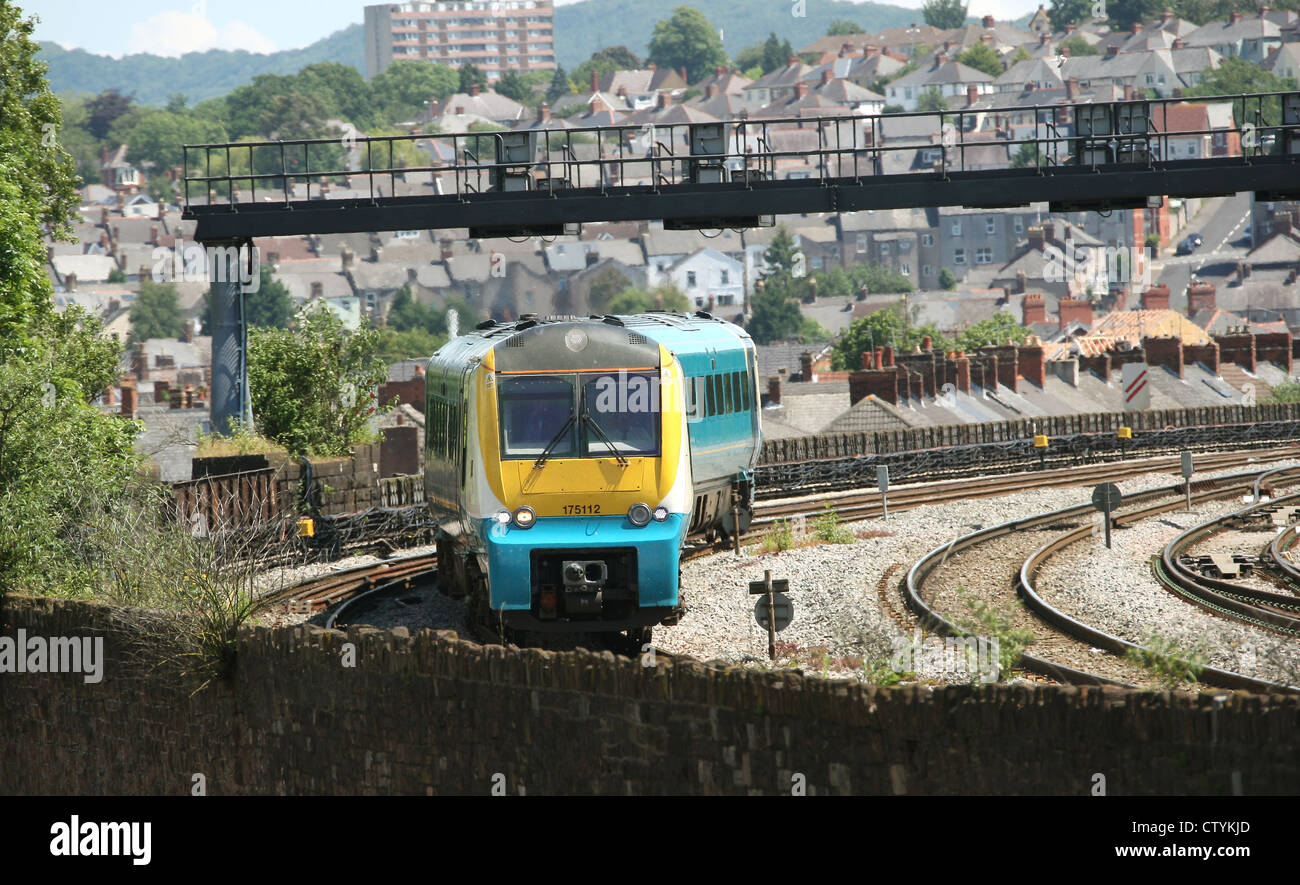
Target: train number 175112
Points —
{"points": [[581, 509]]}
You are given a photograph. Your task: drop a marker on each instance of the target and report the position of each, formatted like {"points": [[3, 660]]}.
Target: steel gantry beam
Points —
{"points": [[735, 174]]}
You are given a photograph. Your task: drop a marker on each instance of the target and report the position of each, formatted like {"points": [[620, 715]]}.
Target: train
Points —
{"points": [[567, 461]]}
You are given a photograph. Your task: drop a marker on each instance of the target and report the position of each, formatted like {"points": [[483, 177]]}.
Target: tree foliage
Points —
{"points": [[887, 326], [156, 312], [944, 14], [314, 386], [1069, 12], [931, 100], [270, 306], [982, 57], [602, 62], [687, 40], [843, 28]]}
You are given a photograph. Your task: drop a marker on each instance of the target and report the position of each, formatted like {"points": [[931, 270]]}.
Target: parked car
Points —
{"points": [[1189, 244]]}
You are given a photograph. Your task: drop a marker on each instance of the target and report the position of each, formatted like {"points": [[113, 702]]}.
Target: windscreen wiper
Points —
{"points": [[546, 452], [586, 416]]}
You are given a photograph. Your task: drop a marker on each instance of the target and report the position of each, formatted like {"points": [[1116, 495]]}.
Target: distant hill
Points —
{"points": [[198, 75], [580, 30]]}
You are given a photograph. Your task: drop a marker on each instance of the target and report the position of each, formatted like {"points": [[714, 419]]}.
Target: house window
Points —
{"points": [[956, 228], [905, 269], [1019, 224], [983, 255], [904, 246], [990, 225], [927, 270], [884, 249], [726, 278], [1151, 79], [862, 242], [927, 239], [690, 279], [959, 256]]}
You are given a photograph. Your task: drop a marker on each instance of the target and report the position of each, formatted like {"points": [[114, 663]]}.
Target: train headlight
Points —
{"points": [[525, 517], [503, 518], [661, 513], [639, 514], [575, 340]]}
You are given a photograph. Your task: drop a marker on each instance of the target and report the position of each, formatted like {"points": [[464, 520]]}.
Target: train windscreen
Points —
{"points": [[534, 411], [613, 414]]}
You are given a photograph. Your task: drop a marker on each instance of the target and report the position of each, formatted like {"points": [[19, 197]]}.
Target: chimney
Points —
{"points": [[1069, 29], [972, 93], [827, 76], [1112, 50], [544, 113], [160, 391], [1234, 17], [187, 331], [595, 82], [652, 67], [869, 50], [1166, 15], [1137, 28], [988, 21], [346, 255], [1074, 310], [1022, 282], [963, 372], [473, 90], [1167, 352], [412, 275], [889, 356], [927, 344], [711, 91], [376, 254], [130, 398], [721, 70], [1179, 44], [1043, 38], [1033, 367], [940, 58], [665, 100], [1200, 296], [153, 235], [1065, 51], [1049, 231], [1156, 297], [1282, 222], [806, 367], [774, 390], [113, 306], [1205, 354], [986, 39], [682, 73], [1036, 236], [70, 282], [444, 249], [1072, 88], [792, 61], [801, 89], [317, 289], [846, 49], [1033, 310]]}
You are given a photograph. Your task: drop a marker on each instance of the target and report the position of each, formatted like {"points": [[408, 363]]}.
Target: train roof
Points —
{"points": [[679, 332]]}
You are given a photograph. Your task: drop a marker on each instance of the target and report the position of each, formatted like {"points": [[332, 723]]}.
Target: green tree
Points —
{"points": [[994, 330], [341, 91], [59, 456], [1069, 12], [605, 284], [843, 28], [395, 346], [1078, 47], [470, 75], [269, 307], [931, 100], [400, 92], [156, 313], [511, 86], [776, 53], [104, 110], [314, 386], [944, 14], [157, 137], [116, 276], [605, 61], [887, 326], [1028, 155], [559, 85], [947, 281], [1125, 13], [775, 314], [982, 57], [687, 40]]}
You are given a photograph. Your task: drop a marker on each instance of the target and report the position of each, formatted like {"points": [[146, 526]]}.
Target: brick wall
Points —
{"points": [[410, 392], [435, 715]]}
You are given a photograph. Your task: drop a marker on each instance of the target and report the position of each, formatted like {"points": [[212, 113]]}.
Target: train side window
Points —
{"points": [[717, 395], [744, 390], [710, 397], [727, 399], [735, 392]]}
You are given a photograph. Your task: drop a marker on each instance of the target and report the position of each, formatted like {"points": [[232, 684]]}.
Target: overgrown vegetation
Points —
{"points": [[779, 537], [828, 528], [1286, 392], [997, 625], [1170, 663]]}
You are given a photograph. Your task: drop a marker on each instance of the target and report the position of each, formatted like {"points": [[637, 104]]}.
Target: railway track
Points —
{"points": [[1064, 646]]}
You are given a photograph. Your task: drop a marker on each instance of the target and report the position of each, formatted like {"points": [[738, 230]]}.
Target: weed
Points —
{"points": [[1169, 662], [828, 528], [881, 672], [996, 625], [778, 538]]}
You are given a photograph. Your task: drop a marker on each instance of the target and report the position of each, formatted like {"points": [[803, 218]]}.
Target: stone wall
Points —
{"points": [[435, 715]]}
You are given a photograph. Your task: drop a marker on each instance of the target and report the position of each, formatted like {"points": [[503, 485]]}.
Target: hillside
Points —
{"points": [[198, 75], [580, 30]]}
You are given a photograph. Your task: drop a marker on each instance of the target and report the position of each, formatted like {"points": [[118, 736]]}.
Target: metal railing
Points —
{"points": [[606, 158]]}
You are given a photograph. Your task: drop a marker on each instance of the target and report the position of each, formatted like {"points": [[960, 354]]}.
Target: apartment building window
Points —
{"points": [[1018, 224], [983, 255], [958, 256], [884, 249], [904, 246], [956, 228], [927, 239], [690, 279], [905, 269], [927, 270], [726, 278], [862, 242], [990, 225]]}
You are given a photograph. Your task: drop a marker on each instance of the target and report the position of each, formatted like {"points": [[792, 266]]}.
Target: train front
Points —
{"points": [[584, 446]]}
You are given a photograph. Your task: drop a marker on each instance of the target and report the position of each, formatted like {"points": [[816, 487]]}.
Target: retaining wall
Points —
{"points": [[434, 715]]}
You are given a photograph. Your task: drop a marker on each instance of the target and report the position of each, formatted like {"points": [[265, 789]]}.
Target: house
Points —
{"points": [[487, 105], [777, 84], [950, 78], [116, 172], [1250, 39], [707, 277], [978, 238]]}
